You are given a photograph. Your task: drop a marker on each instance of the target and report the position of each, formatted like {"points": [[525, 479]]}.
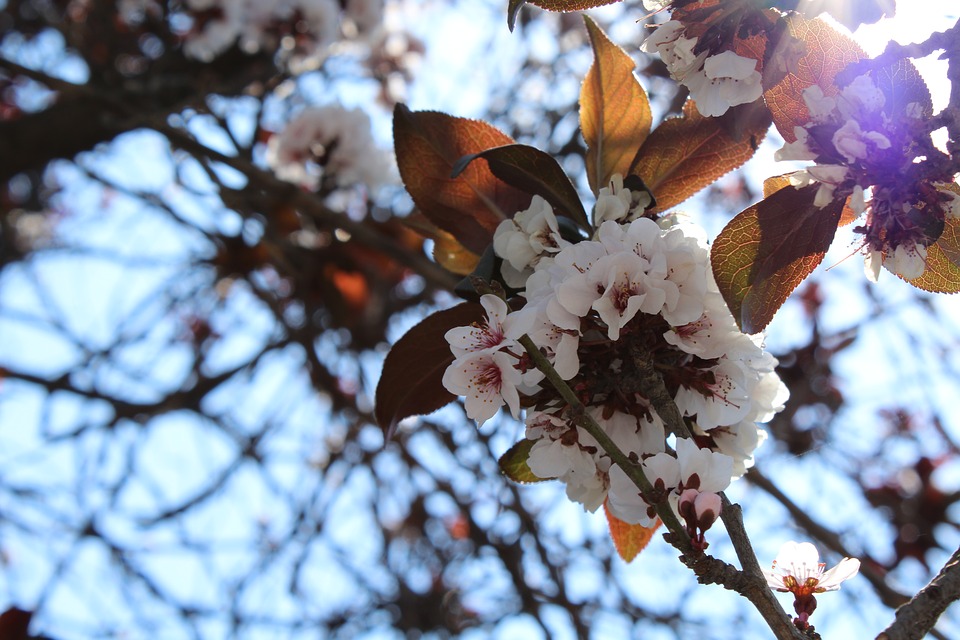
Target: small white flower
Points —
{"points": [[626, 291], [739, 441], [523, 240], [489, 335], [572, 465], [798, 149], [675, 49], [872, 261], [728, 79], [619, 204], [855, 144], [798, 570], [830, 176], [727, 400], [907, 260], [819, 105], [624, 500], [952, 206], [662, 470], [486, 379], [858, 201], [329, 141], [702, 469], [860, 97]]}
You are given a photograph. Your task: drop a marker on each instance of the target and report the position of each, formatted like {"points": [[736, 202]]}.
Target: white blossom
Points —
{"points": [[525, 239], [855, 144], [798, 569], [498, 331], [728, 79], [486, 379], [702, 469], [618, 204], [330, 141], [907, 260], [798, 149], [830, 176], [716, 82], [624, 500], [571, 464]]}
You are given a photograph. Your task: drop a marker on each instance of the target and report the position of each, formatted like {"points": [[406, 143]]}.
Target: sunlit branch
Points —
{"points": [[917, 617]]}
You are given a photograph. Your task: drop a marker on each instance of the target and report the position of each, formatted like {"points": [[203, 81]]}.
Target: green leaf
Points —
{"points": [[412, 379], [685, 154], [615, 114], [513, 463], [470, 206], [534, 172], [767, 250]]}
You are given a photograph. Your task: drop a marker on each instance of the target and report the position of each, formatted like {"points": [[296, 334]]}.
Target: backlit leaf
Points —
{"points": [[685, 154], [615, 114], [902, 85], [629, 539], [770, 248], [470, 206], [569, 5], [552, 5], [942, 273], [449, 254], [827, 52], [513, 463], [534, 172], [774, 183], [411, 382]]}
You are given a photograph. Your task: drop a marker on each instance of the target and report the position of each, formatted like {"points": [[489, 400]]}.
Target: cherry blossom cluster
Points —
{"points": [[607, 311], [866, 153], [717, 80], [307, 25], [332, 145]]}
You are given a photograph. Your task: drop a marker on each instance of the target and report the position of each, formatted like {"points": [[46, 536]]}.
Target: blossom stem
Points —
{"points": [[630, 467], [754, 589]]}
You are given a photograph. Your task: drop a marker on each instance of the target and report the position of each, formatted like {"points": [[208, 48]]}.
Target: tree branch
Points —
{"points": [[916, 618]]}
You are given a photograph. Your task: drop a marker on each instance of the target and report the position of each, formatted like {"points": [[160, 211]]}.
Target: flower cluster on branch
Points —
{"points": [[634, 293]]}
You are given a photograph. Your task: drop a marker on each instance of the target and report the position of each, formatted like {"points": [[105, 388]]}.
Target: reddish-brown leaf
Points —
{"points": [[827, 52], [533, 172], [470, 206], [513, 463], [685, 154], [629, 539], [770, 248], [774, 183], [15, 624], [411, 381], [615, 114], [942, 273]]}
